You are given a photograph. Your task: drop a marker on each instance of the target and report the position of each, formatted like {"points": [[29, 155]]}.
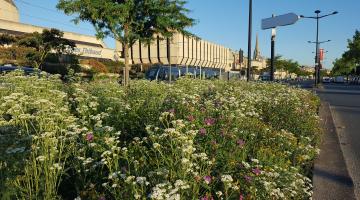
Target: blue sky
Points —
{"points": [[225, 22]]}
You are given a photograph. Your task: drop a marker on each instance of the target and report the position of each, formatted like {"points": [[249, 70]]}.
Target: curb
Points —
{"points": [[331, 179]]}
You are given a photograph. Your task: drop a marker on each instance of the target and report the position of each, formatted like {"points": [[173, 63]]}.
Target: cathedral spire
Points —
{"points": [[257, 55]]}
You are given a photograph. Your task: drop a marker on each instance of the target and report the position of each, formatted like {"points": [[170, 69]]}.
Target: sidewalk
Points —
{"points": [[331, 179]]}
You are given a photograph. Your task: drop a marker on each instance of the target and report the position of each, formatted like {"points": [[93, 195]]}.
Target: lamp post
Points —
{"points": [[249, 42], [317, 62]]}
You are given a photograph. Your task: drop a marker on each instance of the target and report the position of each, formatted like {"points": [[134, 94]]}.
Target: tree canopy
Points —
{"points": [[6, 39], [49, 41], [130, 20], [285, 64], [350, 59]]}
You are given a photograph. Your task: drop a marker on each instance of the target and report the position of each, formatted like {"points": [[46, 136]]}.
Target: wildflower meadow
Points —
{"points": [[194, 139]]}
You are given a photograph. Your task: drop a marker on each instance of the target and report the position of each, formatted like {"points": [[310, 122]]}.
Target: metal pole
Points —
{"points": [[318, 51], [272, 58], [249, 41], [317, 47], [273, 35], [169, 58]]}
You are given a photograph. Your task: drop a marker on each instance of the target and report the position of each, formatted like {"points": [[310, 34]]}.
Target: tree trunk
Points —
{"points": [[126, 55], [126, 78]]}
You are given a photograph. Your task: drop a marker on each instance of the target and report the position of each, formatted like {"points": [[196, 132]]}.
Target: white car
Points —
{"points": [[326, 80]]}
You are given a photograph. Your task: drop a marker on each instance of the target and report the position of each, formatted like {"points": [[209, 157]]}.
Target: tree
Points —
{"points": [[6, 39], [286, 64], [49, 41], [353, 52], [350, 59], [130, 20], [343, 66]]}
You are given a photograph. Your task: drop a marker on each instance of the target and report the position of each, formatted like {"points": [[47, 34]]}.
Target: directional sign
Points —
{"points": [[281, 20]]}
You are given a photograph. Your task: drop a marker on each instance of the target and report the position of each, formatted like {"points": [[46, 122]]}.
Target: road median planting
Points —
{"points": [[194, 139]]}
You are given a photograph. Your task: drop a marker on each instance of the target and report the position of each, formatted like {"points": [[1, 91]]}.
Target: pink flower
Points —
{"points": [[202, 131], [214, 142], [207, 179], [256, 171], [102, 198], [207, 198], [172, 111], [241, 197], [191, 118], [241, 143], [209, 121], [248, 178], [89, 137]]}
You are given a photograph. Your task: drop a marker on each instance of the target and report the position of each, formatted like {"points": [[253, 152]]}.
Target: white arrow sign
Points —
{"points": [[281, 20]]}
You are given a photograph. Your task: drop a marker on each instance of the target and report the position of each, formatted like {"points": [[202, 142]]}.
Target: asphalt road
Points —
{"points": [[344, 103]]}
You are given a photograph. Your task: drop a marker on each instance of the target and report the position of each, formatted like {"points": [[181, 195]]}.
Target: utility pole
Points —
{"points": [[272, 70], [317, 60], [169, 57], [249, 42]]}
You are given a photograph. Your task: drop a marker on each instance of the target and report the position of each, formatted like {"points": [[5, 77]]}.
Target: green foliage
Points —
{"points": [[287, 65], [114, 67], [350, 59], [16, 55], [131, 20], [44, 43], [343, 67], [189, 140], [6, 39]]}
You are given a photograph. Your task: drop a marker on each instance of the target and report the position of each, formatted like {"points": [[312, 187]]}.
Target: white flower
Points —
{"points": [[226, 178], [41, 158], [141, 180], [129, 179], [156, 146]]}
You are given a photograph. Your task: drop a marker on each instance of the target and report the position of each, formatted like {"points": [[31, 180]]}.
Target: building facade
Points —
{"points": [[183, 51], [86, 46]]}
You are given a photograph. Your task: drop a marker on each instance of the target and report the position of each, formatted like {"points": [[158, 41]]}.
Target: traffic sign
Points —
{"points": [[281, 20]]}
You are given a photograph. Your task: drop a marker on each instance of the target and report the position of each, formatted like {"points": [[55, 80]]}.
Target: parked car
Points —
{"points": [[326, 80], [6, 69], [162, 72], [339, 79], [355, 81]]}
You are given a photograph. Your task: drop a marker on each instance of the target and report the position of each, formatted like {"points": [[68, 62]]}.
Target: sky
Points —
{"points": [[225, 22]]}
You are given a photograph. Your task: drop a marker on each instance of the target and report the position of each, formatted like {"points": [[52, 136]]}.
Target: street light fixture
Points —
{"points": [[317, 60], [248, 71]]}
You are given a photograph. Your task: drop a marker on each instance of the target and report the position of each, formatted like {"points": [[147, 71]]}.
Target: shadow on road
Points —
{"points": [[344, 180]]}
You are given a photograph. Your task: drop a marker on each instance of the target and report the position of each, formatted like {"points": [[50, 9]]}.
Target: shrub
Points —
{"points": [[193, 139], [96, 66]]}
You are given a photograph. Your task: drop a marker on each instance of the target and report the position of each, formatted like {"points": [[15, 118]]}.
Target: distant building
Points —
{"points": [[183, 51], [86, 46], [190, 51]]}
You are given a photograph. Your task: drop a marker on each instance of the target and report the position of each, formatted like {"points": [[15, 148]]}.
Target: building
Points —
{"points": [[86, 46], [258, 61], [183, 51], [190, 51]]}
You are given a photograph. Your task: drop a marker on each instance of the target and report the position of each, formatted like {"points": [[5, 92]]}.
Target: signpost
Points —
{"points": [[281, 20], [272, 23]]}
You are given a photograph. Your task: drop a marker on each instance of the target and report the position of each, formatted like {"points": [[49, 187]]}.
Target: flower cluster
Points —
{"points": [[194, 139]]}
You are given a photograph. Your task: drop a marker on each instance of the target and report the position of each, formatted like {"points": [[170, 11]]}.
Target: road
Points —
{"points": [[344, 103]]}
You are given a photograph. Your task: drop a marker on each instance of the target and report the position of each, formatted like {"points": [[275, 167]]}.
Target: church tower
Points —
{"points": [[9, 11], [257, 54]]}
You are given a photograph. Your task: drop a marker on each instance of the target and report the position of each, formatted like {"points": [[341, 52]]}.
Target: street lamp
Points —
{"points": [[317, 61], [249, 41]]}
